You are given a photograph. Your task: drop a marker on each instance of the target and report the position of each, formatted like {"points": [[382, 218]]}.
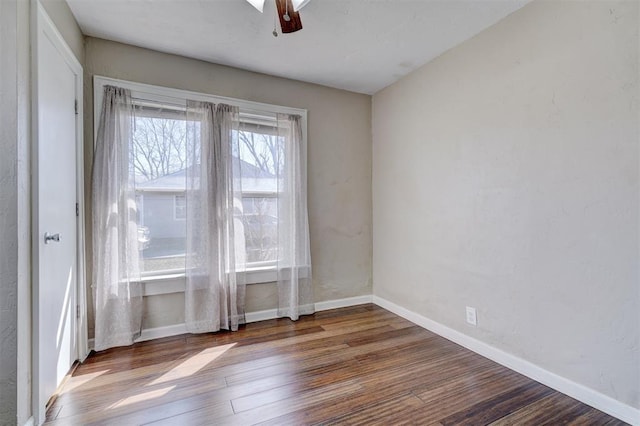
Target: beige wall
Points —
{"points": [[10, 47], [505, 177], [65, 22], [339, 161], [23, 408]]}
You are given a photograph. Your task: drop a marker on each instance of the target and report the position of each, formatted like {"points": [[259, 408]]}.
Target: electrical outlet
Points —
{"points": [[472, 317]]}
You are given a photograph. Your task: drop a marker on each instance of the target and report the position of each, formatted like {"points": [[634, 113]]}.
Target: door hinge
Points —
{"points": [[75, 105], [78, 311], [77, 210]]}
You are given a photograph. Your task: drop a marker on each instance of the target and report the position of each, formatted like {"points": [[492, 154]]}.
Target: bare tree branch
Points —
{"points": [[159, 147]]}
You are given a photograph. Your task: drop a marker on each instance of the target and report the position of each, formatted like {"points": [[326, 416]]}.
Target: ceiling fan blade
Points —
{"points": [[285, 9], [299, 4], [258, 4]]}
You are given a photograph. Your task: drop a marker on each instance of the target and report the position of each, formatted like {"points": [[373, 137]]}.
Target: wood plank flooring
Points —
{"points": [[358, 365]]}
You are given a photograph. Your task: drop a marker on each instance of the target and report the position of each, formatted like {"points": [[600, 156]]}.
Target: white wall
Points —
{"points": [[339, 162], [505, 177]]}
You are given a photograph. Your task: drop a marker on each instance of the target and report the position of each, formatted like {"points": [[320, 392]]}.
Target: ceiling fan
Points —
{"points": [[287, 13]]}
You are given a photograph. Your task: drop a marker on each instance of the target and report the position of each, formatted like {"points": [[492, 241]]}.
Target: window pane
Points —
{"points": [[260, 153], [260, 162], [261, 228], [158, 149]]}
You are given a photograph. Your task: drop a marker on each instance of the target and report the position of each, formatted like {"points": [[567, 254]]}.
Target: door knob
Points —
{"points": [[51, 237]]}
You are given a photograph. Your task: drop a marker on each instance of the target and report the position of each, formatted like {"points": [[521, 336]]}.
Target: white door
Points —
{"points": [[55, 221]]}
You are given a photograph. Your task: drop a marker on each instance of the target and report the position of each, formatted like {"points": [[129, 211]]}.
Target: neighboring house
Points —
{"points": [[162, 211]]}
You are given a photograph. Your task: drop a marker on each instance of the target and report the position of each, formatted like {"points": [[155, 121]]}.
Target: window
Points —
{"points": [[159, 162], [179, 207], [260, 162]]}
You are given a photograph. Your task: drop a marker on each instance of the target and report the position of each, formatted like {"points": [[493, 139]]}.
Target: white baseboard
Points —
{"points": [[343, 303], [177, 329], [160, 332], [320, 306], [261, 315], [575, 390], [153, 333]]}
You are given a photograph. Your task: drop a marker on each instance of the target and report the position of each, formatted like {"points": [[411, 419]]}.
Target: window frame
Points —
{"points": [[171, 282]]}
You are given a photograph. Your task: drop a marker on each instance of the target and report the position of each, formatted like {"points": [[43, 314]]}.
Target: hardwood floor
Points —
{"points": [[358, 365]]}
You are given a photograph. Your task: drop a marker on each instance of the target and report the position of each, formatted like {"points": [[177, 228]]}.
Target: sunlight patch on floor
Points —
{"points": [[141, 397], [193, 364], [77, 381]]}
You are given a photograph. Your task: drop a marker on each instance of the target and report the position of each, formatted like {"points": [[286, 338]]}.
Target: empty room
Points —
{"points": [[300, 212]]}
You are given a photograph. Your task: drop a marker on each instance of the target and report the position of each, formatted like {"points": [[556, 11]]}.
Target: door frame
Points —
{"points": [[40, 21]]}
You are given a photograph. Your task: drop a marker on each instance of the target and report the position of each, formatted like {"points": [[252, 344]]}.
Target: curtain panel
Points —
{"points": [[215, 283], [295, 287], [116, 272]]}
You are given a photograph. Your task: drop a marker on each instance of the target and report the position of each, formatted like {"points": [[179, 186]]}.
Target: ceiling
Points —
{"points": [[357, 45]]}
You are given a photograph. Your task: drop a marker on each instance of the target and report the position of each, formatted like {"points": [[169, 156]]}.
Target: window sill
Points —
{"points": [[175, 283]]}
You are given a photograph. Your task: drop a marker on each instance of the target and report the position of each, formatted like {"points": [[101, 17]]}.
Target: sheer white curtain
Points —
{"points": [[116, 272], [214, 293], [295, 290]]}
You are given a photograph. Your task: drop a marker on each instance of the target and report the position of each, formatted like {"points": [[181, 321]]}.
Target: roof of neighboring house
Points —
{"points": [[253, 179]]}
